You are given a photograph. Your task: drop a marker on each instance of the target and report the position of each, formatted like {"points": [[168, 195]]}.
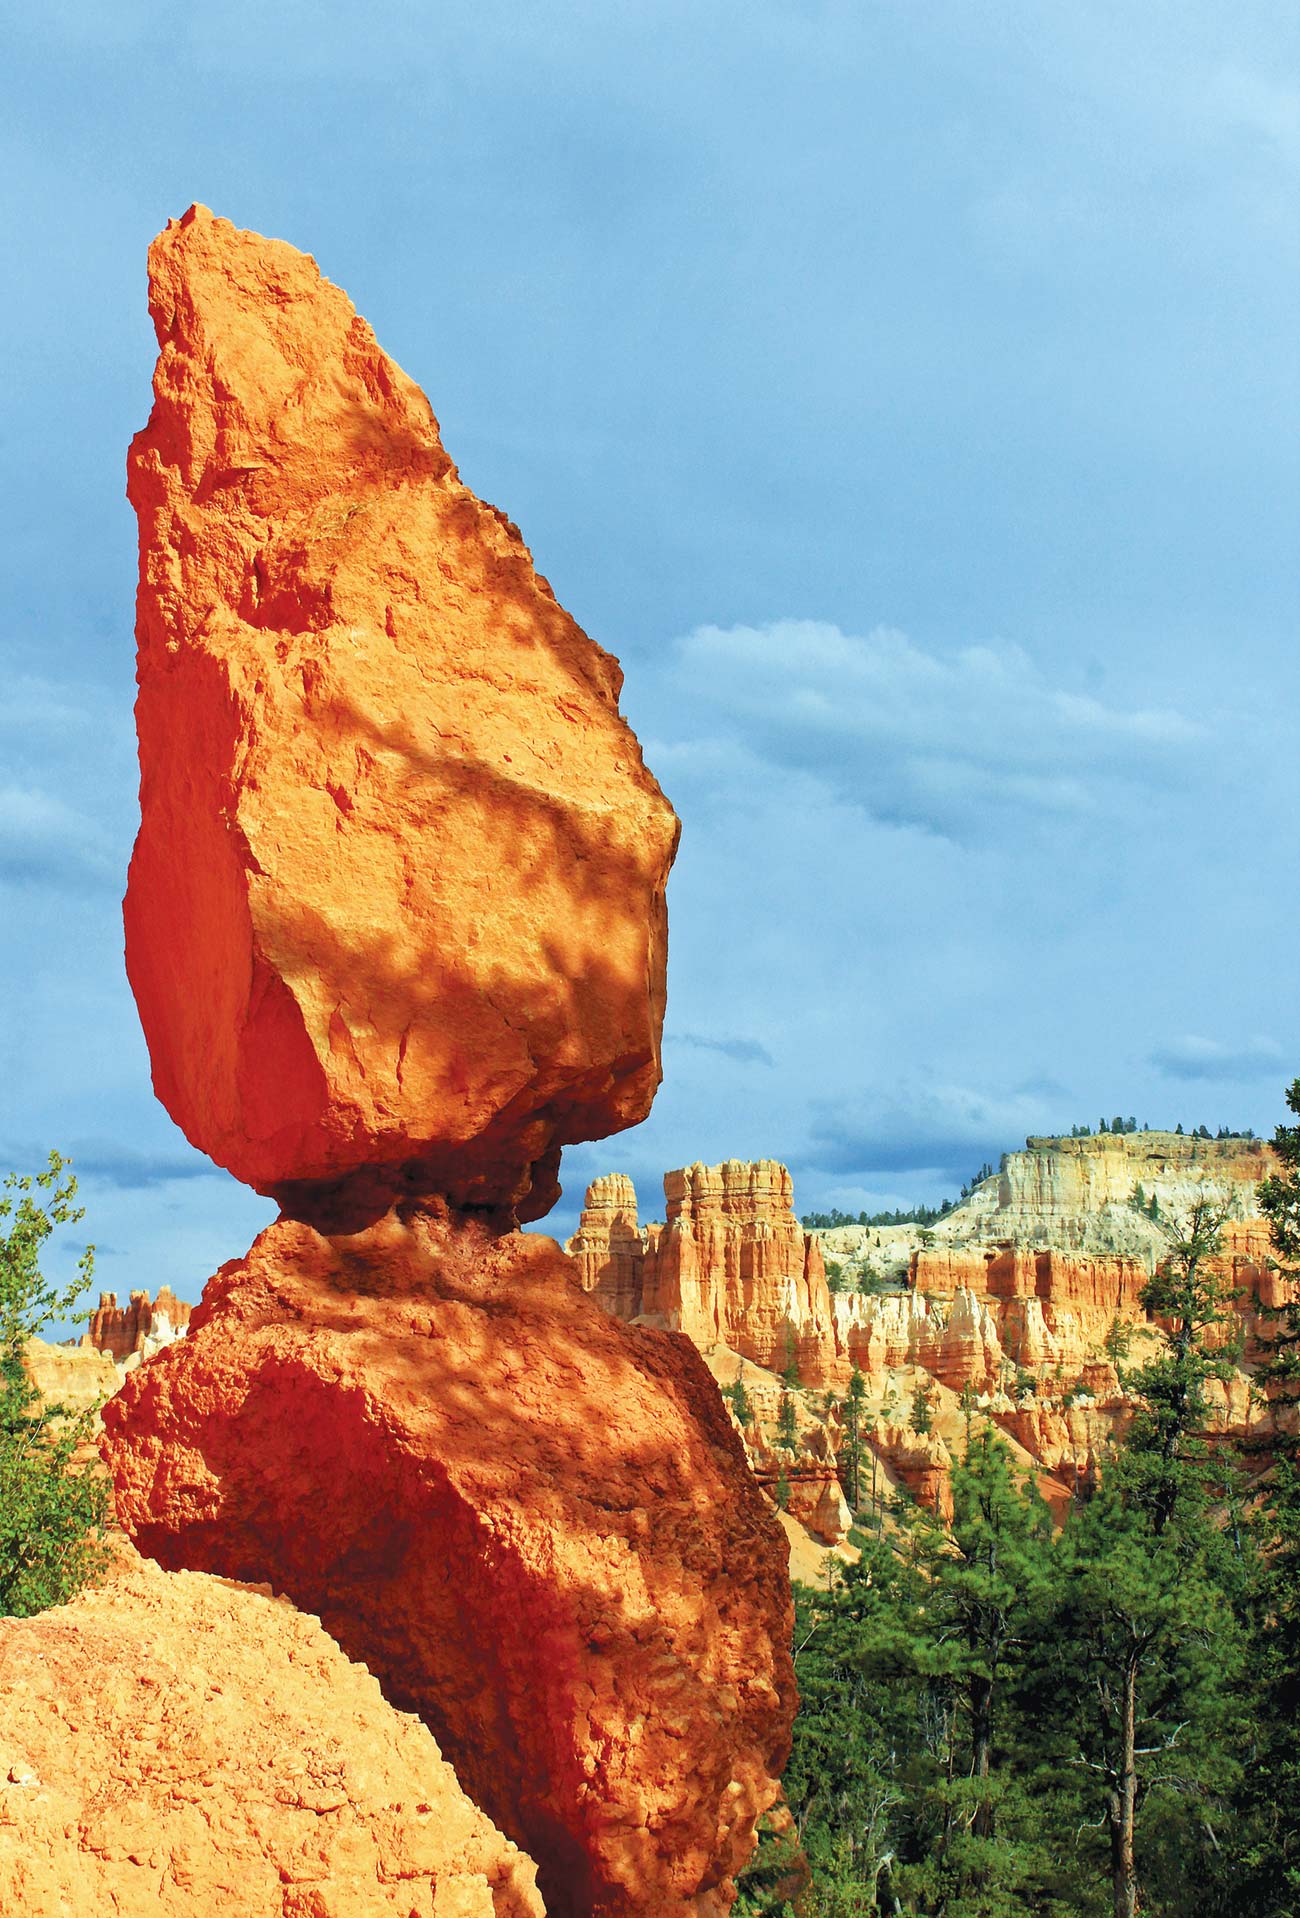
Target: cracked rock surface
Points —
{"points": [[533, 1524]]}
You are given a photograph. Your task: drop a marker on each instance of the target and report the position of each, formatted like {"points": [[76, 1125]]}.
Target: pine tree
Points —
{"points": [[1166, 1459], [790, 1354], [851, 1449], [986, 1570], [1145, 1667], [1279, 1200], [1269, 1810], [739, 1400], [922, 1411], [787, 1430], [967, 1403], [1152, 1650]]}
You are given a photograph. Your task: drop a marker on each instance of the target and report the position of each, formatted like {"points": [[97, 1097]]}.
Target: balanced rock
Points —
{"points": [[173, 1744], [396, 907], [532, 1522]]}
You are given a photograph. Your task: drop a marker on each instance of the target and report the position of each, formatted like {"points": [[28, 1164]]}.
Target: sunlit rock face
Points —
{"points": [[730, 1265], [173, 1744], [608, 1249], [1076, 1195], [533, 1523], [397, 900], [395, 925]]}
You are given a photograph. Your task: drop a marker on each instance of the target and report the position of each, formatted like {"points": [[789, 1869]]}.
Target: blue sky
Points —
{"points": [[908, 395]]}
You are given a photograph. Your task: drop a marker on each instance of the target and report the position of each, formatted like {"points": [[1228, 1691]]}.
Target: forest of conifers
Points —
{"points": [[1003, 1719]]}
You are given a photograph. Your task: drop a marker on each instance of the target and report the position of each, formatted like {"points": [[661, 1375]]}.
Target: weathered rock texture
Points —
{"points": [[533, 1523], [141, 1326], [397, 900], [173, 1744], [73, 1376]]}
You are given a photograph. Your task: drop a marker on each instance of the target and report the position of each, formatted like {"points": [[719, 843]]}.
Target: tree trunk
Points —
{"points": [[981, 1717], [1121, 1811]]}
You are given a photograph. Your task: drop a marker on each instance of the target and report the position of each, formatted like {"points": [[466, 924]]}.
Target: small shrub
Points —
{"points": [[51, 1510]]}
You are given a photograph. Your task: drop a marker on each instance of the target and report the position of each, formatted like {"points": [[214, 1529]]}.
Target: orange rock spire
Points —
{"points": [[397, 900]]}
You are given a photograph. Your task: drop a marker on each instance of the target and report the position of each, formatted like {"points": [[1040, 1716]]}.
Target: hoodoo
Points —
{"points": [[396, 929]]}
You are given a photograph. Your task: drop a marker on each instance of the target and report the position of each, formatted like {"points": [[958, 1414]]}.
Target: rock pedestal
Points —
{"points": [[533, 1524]]}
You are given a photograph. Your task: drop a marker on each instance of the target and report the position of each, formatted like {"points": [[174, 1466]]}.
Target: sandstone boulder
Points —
{"points": [[396, 907], [173, 1744], [532, 1522]]}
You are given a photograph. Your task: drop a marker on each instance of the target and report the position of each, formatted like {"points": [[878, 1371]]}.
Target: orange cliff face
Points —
{"points": [[396, 929], [396, 907]]}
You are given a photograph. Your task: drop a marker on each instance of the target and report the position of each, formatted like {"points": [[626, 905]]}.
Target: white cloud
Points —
{"points": [[961, 744], [46, 841]]}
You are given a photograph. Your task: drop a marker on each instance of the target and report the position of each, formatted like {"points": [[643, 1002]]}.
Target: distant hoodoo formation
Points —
{"points": [[396, 928], [732, 1264], [137, 1329], [1014, 1295]]}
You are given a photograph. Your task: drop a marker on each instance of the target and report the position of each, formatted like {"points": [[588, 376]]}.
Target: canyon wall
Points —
{"points": [[1076, 1195], [395, 925], [1023, 1295]]}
